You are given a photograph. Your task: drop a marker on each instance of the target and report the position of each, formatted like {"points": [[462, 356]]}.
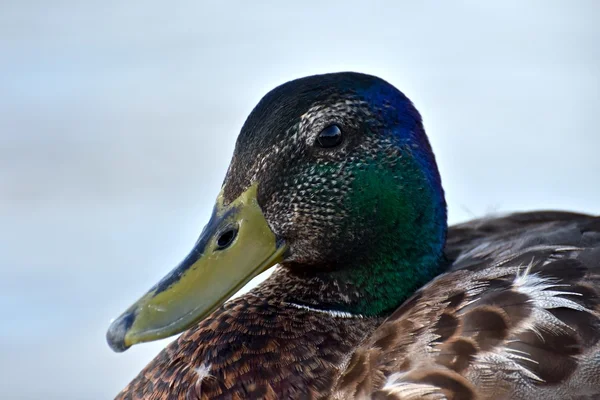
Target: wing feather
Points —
{"points": [[516, 316]]}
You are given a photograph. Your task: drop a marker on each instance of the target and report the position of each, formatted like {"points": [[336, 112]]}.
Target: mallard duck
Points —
{"points": [[333, 182]]}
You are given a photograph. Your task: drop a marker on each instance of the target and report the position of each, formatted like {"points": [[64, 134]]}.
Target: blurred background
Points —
{"points": [[118, 120]]}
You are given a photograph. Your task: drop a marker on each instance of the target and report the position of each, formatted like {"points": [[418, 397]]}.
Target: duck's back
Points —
{"points": [[517, 316]]}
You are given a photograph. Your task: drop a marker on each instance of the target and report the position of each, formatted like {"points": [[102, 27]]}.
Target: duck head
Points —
{"points": [[331, 174]]}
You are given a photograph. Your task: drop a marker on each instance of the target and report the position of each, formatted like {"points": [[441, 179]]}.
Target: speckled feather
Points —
{"points": [[260, 345], [516, 317]]}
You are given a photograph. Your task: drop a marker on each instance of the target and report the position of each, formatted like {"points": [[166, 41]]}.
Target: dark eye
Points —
{"points": [[226, 238], [330, 136]]}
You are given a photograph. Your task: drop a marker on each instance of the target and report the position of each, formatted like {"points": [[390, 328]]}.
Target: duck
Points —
{"points": [[334, 186]]}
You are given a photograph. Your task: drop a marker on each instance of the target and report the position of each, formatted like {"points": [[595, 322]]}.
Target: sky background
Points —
{"points": [[118, 120]]}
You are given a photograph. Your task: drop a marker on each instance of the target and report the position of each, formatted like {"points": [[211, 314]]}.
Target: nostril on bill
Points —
{"points": [[226, 238]]}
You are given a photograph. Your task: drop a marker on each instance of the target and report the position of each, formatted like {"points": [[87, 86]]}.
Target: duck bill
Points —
{"points": [[235, 246]]}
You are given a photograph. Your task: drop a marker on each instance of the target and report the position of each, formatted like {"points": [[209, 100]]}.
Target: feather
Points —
{"points": [[514, 318]]}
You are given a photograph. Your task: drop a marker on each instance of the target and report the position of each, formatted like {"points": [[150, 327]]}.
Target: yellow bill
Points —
{"points": [[235, 246]]}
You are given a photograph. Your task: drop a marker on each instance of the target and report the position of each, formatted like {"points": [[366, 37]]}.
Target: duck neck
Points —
{"points": [[368, 289], [383, 283], [399, 218]]}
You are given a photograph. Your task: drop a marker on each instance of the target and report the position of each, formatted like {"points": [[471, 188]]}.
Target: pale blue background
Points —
{"points": [[118, 118]]}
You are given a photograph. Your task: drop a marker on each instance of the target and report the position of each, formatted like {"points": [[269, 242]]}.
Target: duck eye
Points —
{"points": [[330, 136], [226, 238]]}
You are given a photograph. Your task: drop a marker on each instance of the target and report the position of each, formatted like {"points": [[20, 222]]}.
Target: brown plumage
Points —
{"points": [[517, 315], [255, 346]]}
